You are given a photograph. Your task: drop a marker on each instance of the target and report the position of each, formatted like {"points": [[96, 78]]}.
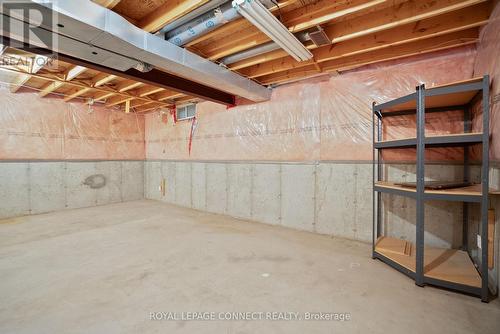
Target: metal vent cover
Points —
{"points": [[319, 37]]}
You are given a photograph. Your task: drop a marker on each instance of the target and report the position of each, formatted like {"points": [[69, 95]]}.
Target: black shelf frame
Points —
{"points": [[421, 142]]}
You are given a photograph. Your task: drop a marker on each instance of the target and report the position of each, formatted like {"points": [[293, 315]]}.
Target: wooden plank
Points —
{"points": [[37, 63], [297, 20], [407, 12], [448, 23], [167, 95], [323, 11], [71, 73], [143, 109], [84, 87], [76, 93], [168, 12], [434, 136], [102, 96], [118, 100], [394, 245], [127, 85], [102, 79], [450, 265], [473, 190], [50, 87], [491, 238], [148, 90], [443, 42]]}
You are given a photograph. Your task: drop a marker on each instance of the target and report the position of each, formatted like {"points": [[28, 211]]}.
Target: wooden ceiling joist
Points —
{"points": [[119, 99], [432, 44], [406, 12], [168, 12], [70, 74], [76, 93], [450, 22], [148, 90], [376, 22], [37, 63], [102, 79], [297, 20], [83, 88], [127, 85]]}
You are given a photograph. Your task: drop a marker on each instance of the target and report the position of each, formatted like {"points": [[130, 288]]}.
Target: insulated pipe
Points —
{"points": [[205, 23], [202, 24], [203, 9], [258, 50]]}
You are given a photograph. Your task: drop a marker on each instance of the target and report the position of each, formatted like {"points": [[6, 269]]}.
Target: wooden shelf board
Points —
{"points": [[450, 265], [474, 190], [445, 100], [471, 134]]}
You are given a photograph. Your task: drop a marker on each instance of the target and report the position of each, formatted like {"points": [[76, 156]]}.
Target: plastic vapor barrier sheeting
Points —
{"points": [[328, 118], [50, 129]]}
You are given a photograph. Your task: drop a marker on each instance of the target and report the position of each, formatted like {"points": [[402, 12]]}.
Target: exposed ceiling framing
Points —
{"points": [[361, 32], [356, 29]]}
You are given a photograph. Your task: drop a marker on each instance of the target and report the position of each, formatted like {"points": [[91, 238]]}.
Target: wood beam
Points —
{"points": [[407, 12], [71, 73], [82, 86], [102, 79], [160, 78], [148, 90], [322, 11], [143, 109], [127, 85], [37, 63], [49, 87], [462, 19], [296, 20], [102, 95], [118, 100], [168, 12], [76, 93], [432, 44], [167, 95]]}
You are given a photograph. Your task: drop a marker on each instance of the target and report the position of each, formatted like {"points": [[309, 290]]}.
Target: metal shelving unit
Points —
{"points": [[421, 263]]}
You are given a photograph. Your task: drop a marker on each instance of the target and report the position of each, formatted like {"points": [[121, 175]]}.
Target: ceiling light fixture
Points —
{"points": [[266, 22]]}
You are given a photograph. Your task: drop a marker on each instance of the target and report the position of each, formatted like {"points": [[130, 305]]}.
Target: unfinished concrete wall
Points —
{"points": [[39, 187], [300, 196], [48, 149]]}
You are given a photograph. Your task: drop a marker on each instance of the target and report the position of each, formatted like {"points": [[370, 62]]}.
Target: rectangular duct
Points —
{"points": [[98, 35]]}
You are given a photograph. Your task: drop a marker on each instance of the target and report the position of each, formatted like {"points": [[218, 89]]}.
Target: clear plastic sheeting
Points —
{"points": [[488, 62], [327, 118], [50, 129]]}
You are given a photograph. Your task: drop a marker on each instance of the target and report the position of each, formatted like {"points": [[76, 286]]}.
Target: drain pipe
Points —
{"points": [[205, 23], [258, 50]]}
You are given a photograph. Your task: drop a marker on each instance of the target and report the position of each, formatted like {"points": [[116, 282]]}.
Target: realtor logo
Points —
{"points": [[29, 25]]}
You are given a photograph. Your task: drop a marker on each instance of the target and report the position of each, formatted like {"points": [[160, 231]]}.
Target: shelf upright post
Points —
{"points": [[377, 135], [466, 178], [485, 188], [419, 240], [374, 180]]}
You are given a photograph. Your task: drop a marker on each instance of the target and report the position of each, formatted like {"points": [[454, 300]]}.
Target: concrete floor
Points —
{"points": [[104, 269]]}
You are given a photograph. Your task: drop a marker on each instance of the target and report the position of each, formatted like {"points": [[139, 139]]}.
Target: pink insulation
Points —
{"points": [[327, 118], [50, 129], [488, 62]]}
